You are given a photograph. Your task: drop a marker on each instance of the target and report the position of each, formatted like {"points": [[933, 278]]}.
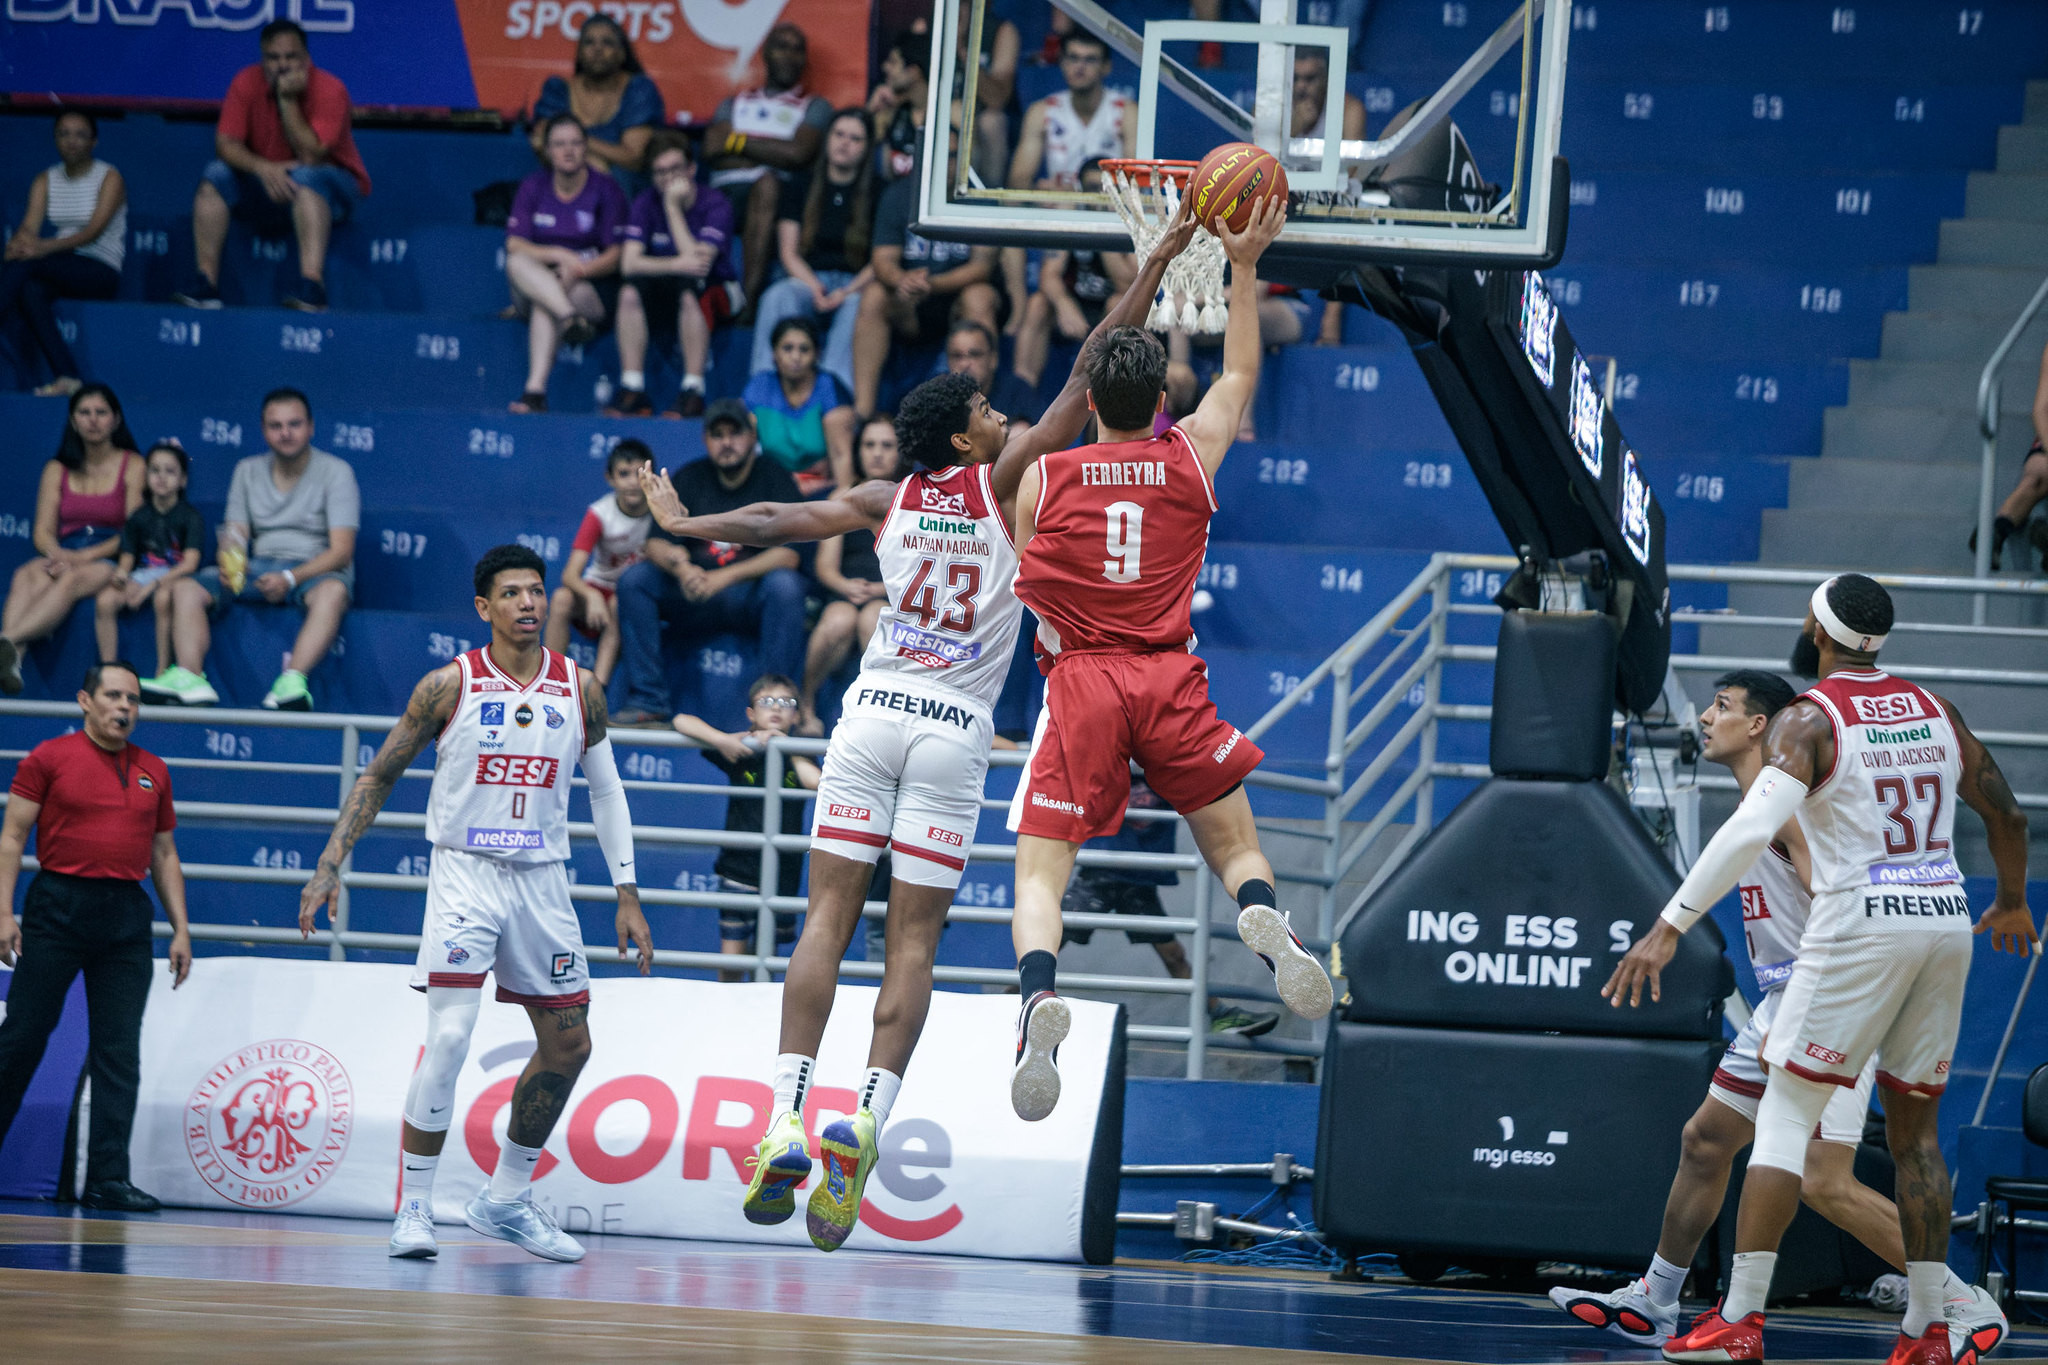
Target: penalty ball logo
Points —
{"points": [[270, 1122]]}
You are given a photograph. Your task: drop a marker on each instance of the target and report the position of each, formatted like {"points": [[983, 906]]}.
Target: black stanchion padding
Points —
{"points": [[1512, 913], [1494, 1145], [1553, 686]]}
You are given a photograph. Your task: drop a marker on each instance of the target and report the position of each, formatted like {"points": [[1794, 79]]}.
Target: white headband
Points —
{"points": [[1832, 624]]}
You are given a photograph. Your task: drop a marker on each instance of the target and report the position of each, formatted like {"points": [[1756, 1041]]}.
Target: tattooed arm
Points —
{"points": [[2009, 922], [613, 821], [433, 702]]}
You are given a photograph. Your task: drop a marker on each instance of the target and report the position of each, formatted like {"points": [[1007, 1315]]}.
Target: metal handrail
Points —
{"points": [[1988, 385]]}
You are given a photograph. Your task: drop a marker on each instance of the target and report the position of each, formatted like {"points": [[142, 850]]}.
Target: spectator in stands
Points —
{"points": [[706, 588], [851, 576], [743, 757], [971, 350], [1063, 132], [2018, 508], [160, 546], [920, 288], [1309, 118], [101, 809], [87, 491], [995, 89], [289, 538], [612, 98], [562, 254], [607, 544], [761, 142], [898, 104], [825, 235], [286, 154], [85, 203], [804, 421], [675, 270], [1135, 891]]}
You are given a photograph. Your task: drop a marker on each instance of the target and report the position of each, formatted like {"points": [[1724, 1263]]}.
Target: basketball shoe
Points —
{"points": [[1929, 1348], [1304, 985], [1714, 1339], [1628, 1312], [1035, 1080], [848, 1150], [523, 1223], [1976, 1326], [412, 1232], [781, 1163]]}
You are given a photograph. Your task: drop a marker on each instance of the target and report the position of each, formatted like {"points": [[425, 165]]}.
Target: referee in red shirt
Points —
{"points": [[101, 808]]}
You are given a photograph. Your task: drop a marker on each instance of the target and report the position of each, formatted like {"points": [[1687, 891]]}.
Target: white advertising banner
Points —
{"points": [[274, 1084]]}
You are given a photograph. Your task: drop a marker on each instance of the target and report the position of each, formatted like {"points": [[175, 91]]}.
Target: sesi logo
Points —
{"points": [[1888, 708], [501, 770], [944, 836], [1753, 907], [938, 500]]}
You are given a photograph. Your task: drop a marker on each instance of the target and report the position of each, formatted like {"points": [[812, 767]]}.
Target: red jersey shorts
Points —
{"points": [[1104, 711]]}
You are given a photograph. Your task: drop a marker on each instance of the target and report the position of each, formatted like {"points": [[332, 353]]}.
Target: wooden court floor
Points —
{"points": [[232, 1288]]}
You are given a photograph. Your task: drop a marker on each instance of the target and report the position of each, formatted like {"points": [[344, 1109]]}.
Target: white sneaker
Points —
{"points": [[1303, 984], [1628, 1312], [412, 1232], [1035, 1079], [524, 1224], [1976, 1326]]}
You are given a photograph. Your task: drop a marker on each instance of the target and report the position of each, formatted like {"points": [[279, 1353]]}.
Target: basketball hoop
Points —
{"points": [[1146, 195]]}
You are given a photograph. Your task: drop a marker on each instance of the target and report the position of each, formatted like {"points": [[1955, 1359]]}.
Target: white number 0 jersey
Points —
{"points": [[503, 765]]}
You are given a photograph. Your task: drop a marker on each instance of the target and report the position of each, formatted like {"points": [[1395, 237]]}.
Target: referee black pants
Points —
{"points": [[100, 927]]}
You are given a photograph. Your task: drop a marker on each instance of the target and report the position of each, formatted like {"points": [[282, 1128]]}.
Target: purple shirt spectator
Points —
{"points": [[589, 223], [709, 220]]}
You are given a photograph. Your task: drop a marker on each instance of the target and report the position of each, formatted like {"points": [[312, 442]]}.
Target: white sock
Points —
{"points": [[1664, 1280], [514, 1176], [1749, 1284], [878, 1094], [1955, 1287], [633, 379], [792, 1080], [416, 1178], [1923, 1295], [693, 383]]}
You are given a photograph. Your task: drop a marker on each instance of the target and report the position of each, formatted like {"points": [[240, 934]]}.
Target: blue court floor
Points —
{"points": [[189, 1285]]}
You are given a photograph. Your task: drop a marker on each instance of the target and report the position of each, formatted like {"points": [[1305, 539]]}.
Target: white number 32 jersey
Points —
{"points": [[503, 764]]}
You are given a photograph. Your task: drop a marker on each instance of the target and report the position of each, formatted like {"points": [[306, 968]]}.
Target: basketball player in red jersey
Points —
{"points": [[1112, 537]]}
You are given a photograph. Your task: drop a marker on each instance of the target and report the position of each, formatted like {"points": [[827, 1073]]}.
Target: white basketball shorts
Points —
{"points": [[904, 772], [488, 915], [1739, 1080], [1891, 990]]}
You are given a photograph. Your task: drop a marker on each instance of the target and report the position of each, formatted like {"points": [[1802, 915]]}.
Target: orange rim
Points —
{"points": [[1181, 171]]}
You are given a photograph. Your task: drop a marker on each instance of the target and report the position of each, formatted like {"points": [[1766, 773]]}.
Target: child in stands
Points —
{"points": [[607, 544], [743, 757], [160, 544]]}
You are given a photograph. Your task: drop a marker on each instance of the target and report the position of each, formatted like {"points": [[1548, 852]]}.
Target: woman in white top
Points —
{"points": [[85, 203]]}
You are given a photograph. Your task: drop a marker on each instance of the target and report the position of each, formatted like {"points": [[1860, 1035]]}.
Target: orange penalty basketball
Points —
{"points": [[1232, 181]]}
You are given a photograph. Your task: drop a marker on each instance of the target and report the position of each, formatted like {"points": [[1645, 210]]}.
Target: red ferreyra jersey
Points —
{"points": [[1122, 530]]}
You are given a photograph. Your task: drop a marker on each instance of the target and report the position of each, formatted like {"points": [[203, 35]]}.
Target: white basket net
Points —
{"points": [[1191, 294]]}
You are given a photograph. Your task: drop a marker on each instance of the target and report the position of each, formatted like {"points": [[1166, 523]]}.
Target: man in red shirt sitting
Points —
{"points": [[286, 154]]}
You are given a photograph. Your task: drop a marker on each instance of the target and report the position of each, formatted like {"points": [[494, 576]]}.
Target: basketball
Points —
{"points": [[1232, 181]]}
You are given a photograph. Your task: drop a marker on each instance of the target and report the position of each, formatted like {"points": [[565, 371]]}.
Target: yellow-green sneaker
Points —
{"points": [[781, 1163], [848, 1149]]}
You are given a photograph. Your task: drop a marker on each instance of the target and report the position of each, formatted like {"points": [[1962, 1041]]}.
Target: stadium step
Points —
{"points": [[1939, 384], [1855, 486], [2037, 102], [2010, 195], [1905, 541], [1994, 241], [1990, 290], [2023, 147], [1961, 337]]}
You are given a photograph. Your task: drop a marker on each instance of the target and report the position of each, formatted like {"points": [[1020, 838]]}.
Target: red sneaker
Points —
{"points": [[1714, 1339], [1929, 1348]]}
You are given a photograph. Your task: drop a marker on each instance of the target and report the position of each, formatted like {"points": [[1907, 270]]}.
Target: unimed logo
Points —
{"points": [[727, 1115]]}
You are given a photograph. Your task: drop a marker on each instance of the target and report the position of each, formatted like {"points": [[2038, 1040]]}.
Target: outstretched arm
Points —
{"points": [[1063, 420], [426, 715], [770, 523], [1983, 789], [1213, 426], [1799, 744]]}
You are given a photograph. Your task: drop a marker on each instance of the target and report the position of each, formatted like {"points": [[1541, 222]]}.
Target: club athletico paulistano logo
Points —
{"points": [[269, 1123]]}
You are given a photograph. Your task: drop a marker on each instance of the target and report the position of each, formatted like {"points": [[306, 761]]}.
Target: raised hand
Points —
{"points": [[662, 501], [1245, 248], [1179, 232]]}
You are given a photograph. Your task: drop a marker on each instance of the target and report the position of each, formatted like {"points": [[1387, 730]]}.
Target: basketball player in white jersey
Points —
{"points": [[905, 766], [510, 721], [1774, 911], [1872, 766]]}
